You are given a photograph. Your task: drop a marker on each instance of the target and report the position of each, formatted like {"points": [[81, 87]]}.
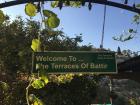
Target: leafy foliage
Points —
{"points": [[136, 19], [132, 102], [38, 102], [126, 35], [2, 17], [138, 5], [37, 84], [14, 95], [55, 4], [34, 100], [11, 36], [45, 79], [52, 21], [67, 93], [63, 78], [4, 86], [26, 31]]}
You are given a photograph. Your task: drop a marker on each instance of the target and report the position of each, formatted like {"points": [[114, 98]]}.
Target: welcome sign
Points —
{"points": [[75, 62]]}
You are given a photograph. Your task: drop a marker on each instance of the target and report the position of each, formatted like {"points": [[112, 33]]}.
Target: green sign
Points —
{"points": [[75, 62]]}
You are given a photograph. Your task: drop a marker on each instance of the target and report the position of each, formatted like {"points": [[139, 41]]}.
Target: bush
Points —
{"points": [[80, 91], [13, 94]]}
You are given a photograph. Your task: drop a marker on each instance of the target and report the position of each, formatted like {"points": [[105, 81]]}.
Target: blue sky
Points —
{"points": [[89, 23]]}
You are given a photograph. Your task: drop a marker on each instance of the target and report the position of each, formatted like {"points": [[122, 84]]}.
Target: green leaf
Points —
{"points": [[20, 53], [54, 4], [48, 13], [2, 17], [36, 45], [138, 5], [38, 84], [4, 86], [136, 19], [132, 102], [67, 3], [30, 9], [130, 30], [52, 22], [38, 102], [35, 103], [32, 97], [45, 79], [76, 4], [128, 38]]}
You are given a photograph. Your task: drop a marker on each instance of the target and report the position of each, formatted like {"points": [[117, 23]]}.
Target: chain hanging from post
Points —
{"points": [[103, 28]]}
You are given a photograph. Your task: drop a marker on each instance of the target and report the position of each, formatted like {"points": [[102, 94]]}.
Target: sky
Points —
{"points": [[75, 21]]}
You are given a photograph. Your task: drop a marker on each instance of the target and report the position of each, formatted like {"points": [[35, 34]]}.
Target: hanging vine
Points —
{"points": [[50, 20]]}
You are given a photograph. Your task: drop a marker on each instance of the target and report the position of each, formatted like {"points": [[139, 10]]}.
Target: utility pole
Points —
{"points": [[103, 28]]}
